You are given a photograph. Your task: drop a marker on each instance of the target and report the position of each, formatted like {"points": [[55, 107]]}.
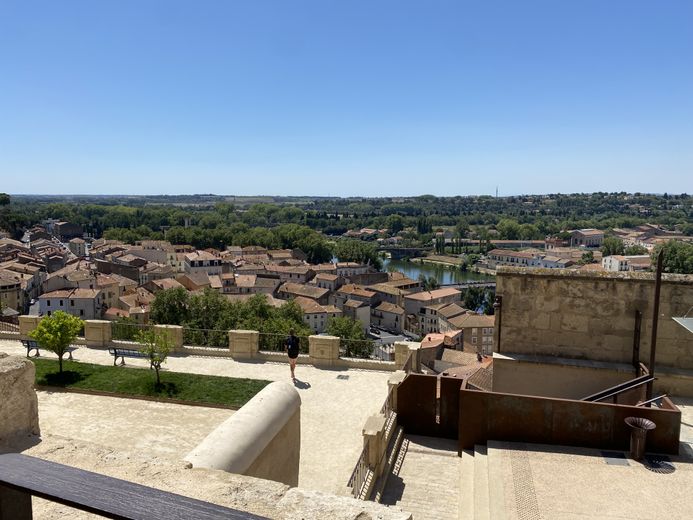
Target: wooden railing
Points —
{"points": [[22, 477]]}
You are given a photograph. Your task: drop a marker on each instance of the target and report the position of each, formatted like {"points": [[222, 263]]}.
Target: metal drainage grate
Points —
{"points": [[343, 377], [615, 458]]}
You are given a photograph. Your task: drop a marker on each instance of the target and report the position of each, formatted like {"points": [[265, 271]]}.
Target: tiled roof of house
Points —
{"points": [[298, 289], [390, 307], [355, 290], [432, 295], [472, 320], [72, 293]]}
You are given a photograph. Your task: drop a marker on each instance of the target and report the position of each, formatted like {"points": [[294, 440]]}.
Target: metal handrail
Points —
{"points": [[651, 400], [619, 389]]}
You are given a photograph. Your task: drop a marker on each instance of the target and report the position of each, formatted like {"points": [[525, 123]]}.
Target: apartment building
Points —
{"points": [[11, 295], [317, 316], [354, 292], [389, 317], [477, 330], [202, 262], [78, 247], [83, 303], [590, 238], [414, 303]]}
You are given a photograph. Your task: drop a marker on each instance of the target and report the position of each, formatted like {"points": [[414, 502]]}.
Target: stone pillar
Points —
{"points": [[402, 351], [374, 442], [392, 383], [244, 344], [19, 404], [323, 350], [174, 333], [27, 324], [97, 333]]}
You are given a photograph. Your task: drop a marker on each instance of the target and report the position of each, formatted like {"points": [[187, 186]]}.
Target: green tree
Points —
{"points": [[355, 342], [678, 257], [4, 199], [395, 223], [157, 346], [635, 250], [530, 232], [462, 228], [429, 283], [587, 258], [508, 229], [171, 307], [612, 246], [56, 333], [358, 251]]}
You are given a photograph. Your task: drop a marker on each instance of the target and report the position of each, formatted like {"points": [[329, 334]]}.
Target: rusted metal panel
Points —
{"points": [[449, 407], [416, 404], [518, 418]]}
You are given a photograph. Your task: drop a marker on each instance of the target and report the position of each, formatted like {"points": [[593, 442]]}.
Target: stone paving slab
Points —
{"points": [[570, 483], [333, 411]]}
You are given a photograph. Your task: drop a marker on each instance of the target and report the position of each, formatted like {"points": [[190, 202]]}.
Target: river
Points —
{"points": [[444, 274]]}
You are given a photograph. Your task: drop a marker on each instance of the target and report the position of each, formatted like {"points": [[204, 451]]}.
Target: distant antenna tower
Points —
{"points": [[496, 191]]}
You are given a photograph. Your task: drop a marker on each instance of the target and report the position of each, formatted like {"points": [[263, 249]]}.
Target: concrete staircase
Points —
{"points": [[482, 495], [425, 479]]}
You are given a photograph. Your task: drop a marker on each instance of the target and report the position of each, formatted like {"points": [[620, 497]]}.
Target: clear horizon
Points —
{"points": [[260, 195], [365, 99]]}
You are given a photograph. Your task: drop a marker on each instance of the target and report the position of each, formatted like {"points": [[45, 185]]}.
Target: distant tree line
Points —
{"points": [[211, 221]]}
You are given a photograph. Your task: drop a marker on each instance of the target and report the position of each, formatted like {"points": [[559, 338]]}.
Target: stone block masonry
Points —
{"points": [[587, 315], [18, 401]]}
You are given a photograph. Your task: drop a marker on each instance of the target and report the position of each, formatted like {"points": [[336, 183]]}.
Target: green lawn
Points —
{"points": [[196, 388]]}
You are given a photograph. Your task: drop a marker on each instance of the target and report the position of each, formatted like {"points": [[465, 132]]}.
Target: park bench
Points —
{"points": [[31, 344], [122, 353], [22, 476]]}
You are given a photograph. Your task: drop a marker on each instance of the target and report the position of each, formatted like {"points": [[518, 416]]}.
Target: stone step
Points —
{"points": [[481, 493], [426, 483], [494, 461], [466, 509]]}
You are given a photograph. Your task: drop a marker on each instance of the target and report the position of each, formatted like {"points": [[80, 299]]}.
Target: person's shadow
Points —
{"points": [[301, 385]]}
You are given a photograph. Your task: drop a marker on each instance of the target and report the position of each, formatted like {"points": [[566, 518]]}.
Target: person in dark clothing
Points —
{"points": [[291, 347]]}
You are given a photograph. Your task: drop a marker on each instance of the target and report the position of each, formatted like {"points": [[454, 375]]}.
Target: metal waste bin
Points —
{"points": [[638, 435]]}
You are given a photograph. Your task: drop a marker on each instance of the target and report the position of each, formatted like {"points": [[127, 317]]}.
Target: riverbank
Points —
{"points": [[452, 261], [444, 273]]}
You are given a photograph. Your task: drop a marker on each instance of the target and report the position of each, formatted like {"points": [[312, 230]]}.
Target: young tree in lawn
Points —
{"points": [[56, 333], [157, 346]]}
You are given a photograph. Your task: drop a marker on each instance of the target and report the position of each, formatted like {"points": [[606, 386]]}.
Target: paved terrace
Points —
{"points": [[333, 413]]}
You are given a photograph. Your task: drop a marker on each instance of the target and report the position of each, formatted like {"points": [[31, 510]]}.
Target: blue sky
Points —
{"points": [[359, 97]]}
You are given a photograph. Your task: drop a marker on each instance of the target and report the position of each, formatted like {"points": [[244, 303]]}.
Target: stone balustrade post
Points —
{"points": [[403, 349], [97, 333], [27, 324], [374, 442], [392, 383], [323, 350], [244, 344], [174, 334]]}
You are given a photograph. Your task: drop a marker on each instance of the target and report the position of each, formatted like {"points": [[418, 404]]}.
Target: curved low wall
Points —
{"points": [[262, 439]]}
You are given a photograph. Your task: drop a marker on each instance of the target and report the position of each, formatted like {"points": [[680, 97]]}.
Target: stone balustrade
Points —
{"points": [[323, 350]]}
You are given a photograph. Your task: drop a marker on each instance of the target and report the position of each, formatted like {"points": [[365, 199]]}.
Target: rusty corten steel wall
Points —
{"points": [[449, 407], [487, 416], [416, 405]]}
